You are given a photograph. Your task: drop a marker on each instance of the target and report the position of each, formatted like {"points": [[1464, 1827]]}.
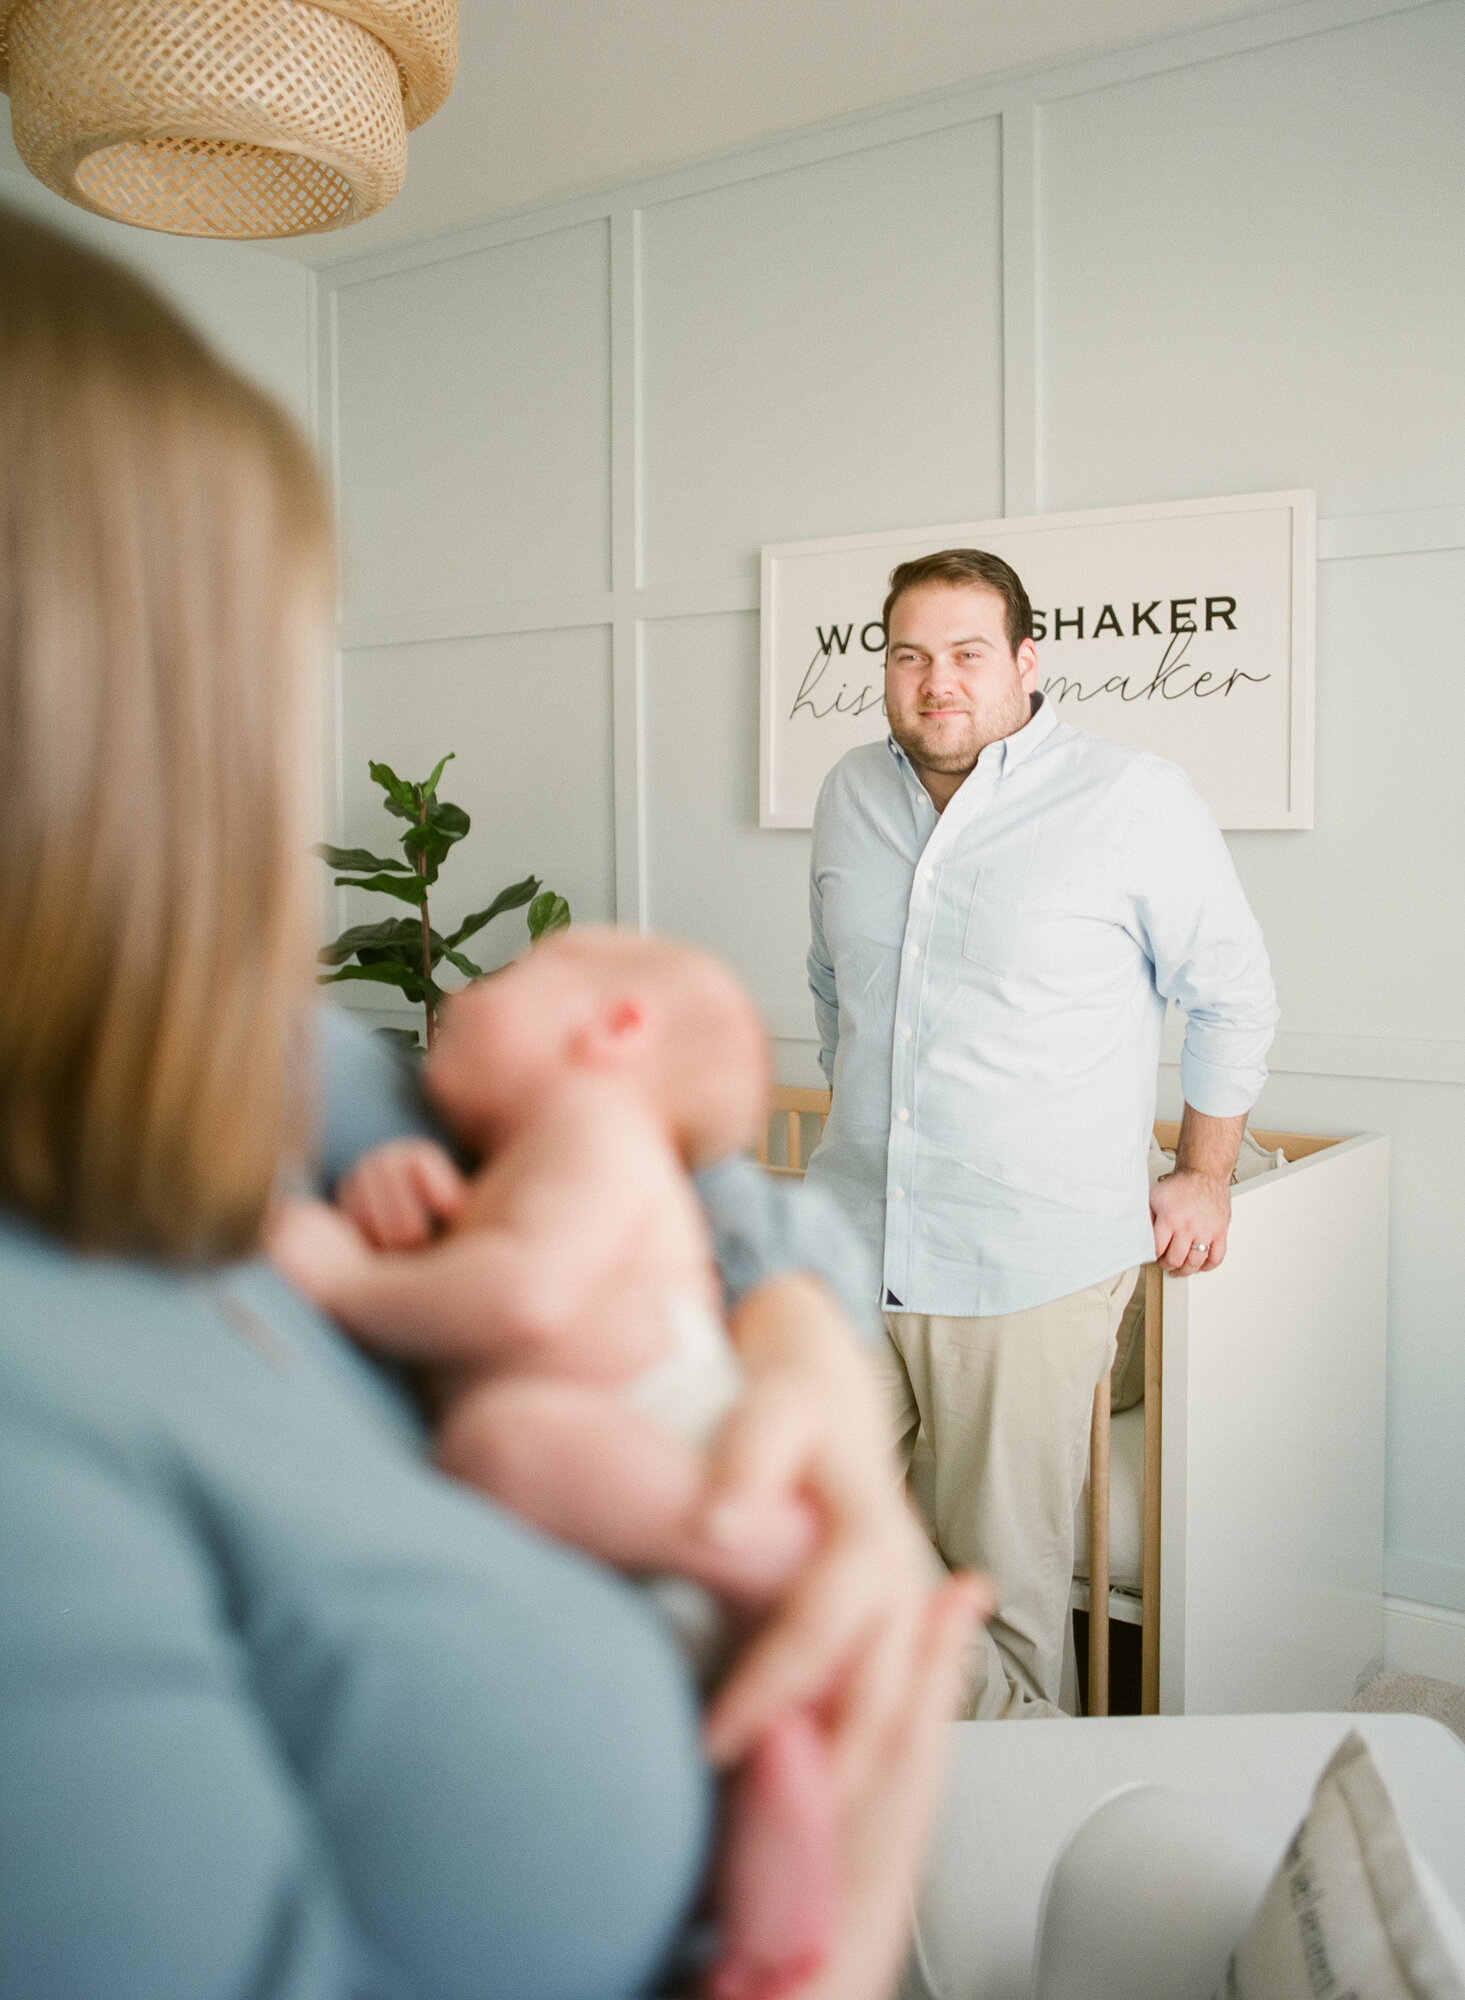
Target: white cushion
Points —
{"points": [[1016, 1791], [1345, 1911], [1153, 1889], [1147, 1896]]}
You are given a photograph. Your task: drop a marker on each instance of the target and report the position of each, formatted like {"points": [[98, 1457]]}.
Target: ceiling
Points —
{"points": [[556, 96]]}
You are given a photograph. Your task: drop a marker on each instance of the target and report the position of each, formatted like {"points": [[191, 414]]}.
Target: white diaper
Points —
{"points": [[691, 1391], [688, 1395]]}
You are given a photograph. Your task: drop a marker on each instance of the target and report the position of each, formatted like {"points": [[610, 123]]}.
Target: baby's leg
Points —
{"points": [[776, 1885], [587, 1468], [581, 1464]]}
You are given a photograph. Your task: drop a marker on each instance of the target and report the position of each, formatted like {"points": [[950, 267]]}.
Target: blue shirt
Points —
{"points": [[990, 985], [285, 1713], [282, 1711]]}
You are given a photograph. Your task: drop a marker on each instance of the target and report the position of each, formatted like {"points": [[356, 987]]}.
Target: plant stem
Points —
{"points": [[426, 936]]}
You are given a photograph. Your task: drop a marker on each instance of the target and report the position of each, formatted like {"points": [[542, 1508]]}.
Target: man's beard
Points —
{"points": [[940, 752]]}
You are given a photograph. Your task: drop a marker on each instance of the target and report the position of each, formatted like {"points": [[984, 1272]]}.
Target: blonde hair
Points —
{"points": [[165, 573]]}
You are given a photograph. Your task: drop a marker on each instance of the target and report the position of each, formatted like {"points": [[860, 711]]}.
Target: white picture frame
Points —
{"points": [[1204, 649]]}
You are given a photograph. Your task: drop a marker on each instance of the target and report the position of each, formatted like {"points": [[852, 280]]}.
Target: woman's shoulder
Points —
{"points": [[132, 1342], [239, 1608], [216, 1436]]}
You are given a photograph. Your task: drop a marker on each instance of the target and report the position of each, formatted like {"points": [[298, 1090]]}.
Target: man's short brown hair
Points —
{"points": [[966, 566]]}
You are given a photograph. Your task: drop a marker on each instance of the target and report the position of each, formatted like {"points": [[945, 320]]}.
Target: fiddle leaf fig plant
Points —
{"points": [[406, 952]]}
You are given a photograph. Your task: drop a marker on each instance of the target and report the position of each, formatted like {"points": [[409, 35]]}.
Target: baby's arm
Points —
{"points": [[402, 1192], [506, 1287]]}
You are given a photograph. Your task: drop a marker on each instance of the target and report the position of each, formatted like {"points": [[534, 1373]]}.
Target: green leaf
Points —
{"points": [[399, 799], [406, 888], [402, 976], [463, 964], [429, 785], [359, 858], [451, 820], [409, 955], [407, 948], [547, 913], [390, 931], [444, 825], [405, 978], [512, 898]]}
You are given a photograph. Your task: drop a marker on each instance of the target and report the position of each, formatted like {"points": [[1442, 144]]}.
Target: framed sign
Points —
{"points": [[1186, 629]]}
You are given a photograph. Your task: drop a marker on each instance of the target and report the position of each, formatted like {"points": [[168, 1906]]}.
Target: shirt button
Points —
{"points": [[915, 951], [928, 875], [902, 1114], [899, 1194], [905, 1034]]}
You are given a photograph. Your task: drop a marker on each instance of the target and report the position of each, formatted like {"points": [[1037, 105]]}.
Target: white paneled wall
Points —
{"points": [[528, 718], [473, 434], [1251, 271], [817, 352], [1226, 262]]}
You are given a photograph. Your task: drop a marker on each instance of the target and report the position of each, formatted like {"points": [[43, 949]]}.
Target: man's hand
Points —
{"points": [[1191, 1213], [1191, 1207], [401, 1193]]}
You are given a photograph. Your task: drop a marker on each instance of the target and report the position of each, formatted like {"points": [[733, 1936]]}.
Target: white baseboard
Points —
{"points": [[1425, 1639]]}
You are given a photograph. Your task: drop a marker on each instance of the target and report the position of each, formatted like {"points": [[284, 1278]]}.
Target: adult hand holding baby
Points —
{"points": [[890, 1812], [847, 1633]]}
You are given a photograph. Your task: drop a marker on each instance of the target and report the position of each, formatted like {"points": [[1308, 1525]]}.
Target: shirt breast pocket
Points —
{"points": [[1028, 932]]}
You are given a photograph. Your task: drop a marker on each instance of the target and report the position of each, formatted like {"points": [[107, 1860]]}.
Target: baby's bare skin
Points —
{"points": [[555, 1286]]}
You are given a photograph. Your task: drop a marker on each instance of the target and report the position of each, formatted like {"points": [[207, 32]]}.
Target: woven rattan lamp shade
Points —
{"points": [[229, 117]]}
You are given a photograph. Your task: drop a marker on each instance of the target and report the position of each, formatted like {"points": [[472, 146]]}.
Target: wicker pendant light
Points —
{"points": [[227, 117]]}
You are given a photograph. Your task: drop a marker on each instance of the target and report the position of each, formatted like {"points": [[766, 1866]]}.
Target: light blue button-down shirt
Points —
{"points": [[990, 985]]}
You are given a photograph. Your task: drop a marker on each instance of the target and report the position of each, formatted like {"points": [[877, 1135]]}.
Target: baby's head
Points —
{"points": [[668, 1020]]}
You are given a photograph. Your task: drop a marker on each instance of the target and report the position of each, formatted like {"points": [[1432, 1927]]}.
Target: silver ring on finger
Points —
{"points": [[1204, 1249]]}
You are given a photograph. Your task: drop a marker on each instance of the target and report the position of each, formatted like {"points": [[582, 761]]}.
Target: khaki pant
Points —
{"points": [[1005, 1402]]}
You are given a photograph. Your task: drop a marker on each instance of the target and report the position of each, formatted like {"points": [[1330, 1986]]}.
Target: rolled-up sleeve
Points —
{"points": [[1204, 943], [821, 978]]}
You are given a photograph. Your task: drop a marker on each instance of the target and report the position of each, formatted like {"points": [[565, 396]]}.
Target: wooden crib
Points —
{"points": [[1260, 1566]]}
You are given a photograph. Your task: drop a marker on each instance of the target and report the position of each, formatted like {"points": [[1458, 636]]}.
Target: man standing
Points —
{"points": [[1001, 907]]}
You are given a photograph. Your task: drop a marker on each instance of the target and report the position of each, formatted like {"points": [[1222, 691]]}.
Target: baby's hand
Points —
{"points": [[399, 1193], [318, 1249]]}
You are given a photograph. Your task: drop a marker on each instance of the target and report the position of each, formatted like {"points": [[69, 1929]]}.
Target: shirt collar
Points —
{"points": [[1041, 722], [1010, 750]]}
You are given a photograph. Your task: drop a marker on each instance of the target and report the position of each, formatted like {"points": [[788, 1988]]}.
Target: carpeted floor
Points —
{"points": [[1391, 1692]]}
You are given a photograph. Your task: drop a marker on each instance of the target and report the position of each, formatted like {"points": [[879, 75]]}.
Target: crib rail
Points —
{"points": [[791, 1104]]}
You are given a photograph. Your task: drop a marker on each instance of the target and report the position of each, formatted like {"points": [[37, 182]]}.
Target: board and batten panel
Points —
{"points": [[1361, 915], [716, 878], [473, 426], [1250, 275], [822, 353], [529, 719]]}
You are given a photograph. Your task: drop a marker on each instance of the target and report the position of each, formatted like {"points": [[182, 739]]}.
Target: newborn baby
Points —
{"points": [[570, 1326]]}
